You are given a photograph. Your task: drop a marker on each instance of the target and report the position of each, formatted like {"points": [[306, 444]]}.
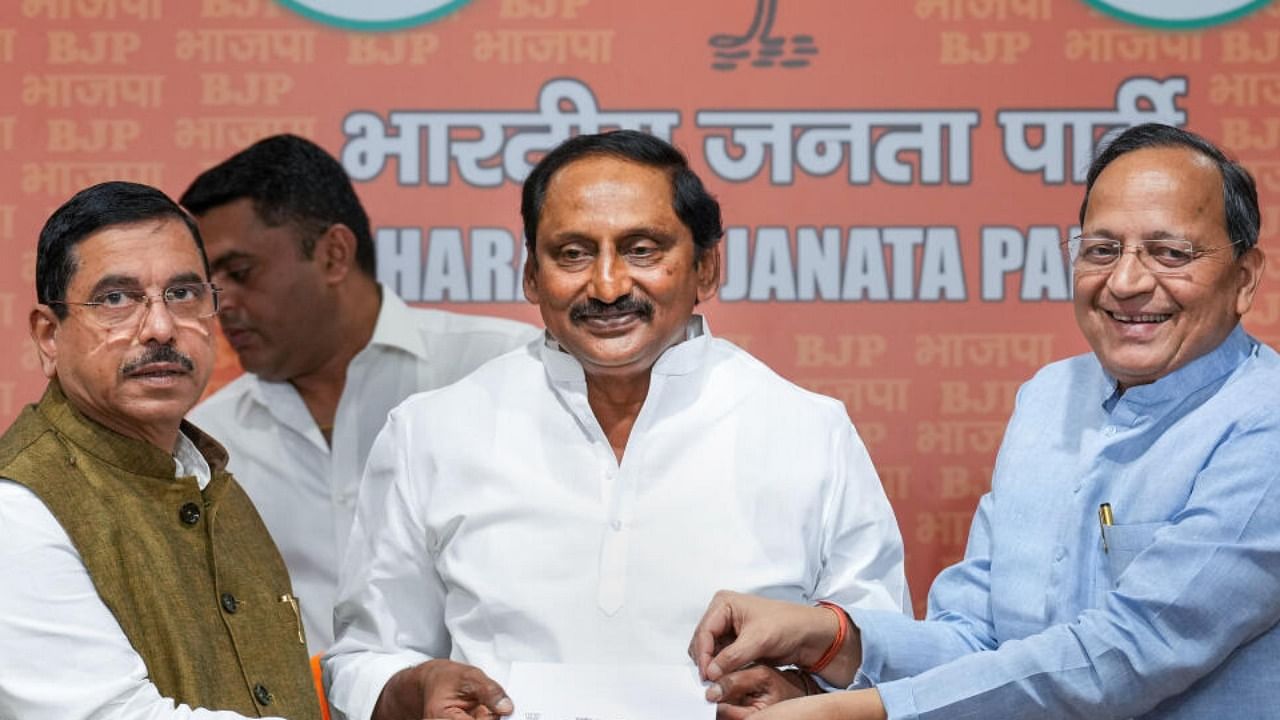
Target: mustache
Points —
{"points": [[625, 305], [158, 354]]}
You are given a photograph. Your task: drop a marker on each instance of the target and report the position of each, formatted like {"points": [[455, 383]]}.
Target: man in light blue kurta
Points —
{"points": [[1179, 610], [1127, 559]]}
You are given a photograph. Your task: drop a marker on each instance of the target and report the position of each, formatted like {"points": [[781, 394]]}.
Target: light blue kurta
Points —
{"points": [[1176, 619]]}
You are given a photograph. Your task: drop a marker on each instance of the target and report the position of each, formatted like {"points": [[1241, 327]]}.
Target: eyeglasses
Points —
{"points": [[186, 302], [1099, 254]]}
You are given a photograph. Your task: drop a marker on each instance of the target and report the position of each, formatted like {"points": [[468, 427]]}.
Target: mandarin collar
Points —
{"points": [[128, 454], [1212, 366]]}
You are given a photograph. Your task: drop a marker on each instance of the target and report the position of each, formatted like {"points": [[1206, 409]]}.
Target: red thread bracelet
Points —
{"points": [[841, 633]]}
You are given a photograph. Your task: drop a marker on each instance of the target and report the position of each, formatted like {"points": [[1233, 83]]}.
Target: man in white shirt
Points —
{"points": [[572, 502], [327, 350]]}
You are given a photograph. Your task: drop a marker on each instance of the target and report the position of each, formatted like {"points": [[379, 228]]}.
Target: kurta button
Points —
{"points": [[262, 694], [189, 513], [229, 603]]}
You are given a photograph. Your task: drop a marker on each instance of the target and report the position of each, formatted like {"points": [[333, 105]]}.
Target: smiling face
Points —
{"points": [[1141, 325], [272, 296], [613, 270], [141, 377]]}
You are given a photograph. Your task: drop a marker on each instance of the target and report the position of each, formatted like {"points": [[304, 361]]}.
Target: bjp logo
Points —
{"points": [[374, 14], [1178, 14]]}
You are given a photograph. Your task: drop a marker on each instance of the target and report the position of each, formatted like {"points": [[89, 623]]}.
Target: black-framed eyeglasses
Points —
{"points": [[1088, 253], [186, 302]]}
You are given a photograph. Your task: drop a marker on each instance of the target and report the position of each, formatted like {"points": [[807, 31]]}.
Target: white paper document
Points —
{"points": [[552, 691]]}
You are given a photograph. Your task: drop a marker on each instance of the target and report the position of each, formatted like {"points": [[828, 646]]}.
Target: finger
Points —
{"points": [[488, 693], [716, 623], [737, 655], [745, 686]]}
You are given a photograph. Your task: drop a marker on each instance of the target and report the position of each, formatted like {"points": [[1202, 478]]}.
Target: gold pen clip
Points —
{"points": [[297, 614], [1105, 520]]}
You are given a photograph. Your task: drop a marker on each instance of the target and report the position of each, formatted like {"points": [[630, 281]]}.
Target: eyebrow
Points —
{"points": [[115, 282], [129, 282], [186, 277], [654, 232], [225, 259], [1152, 235], [662, 235]]}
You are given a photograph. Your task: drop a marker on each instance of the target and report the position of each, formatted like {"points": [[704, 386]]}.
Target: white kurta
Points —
{"points": [[495, 523], [305, 490]]}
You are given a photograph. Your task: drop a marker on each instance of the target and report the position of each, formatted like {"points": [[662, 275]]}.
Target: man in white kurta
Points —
{"points": [[580, 499], [511, 532]]}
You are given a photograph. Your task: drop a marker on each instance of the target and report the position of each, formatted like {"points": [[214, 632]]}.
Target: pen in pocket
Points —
{"points": [[1105, 521]]}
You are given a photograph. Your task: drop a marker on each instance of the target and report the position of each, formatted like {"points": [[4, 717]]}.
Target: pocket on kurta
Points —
{"points": [[1124, 543]]}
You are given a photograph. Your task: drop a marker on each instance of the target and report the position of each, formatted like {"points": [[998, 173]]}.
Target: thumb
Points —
{"points": [[492, 696]]}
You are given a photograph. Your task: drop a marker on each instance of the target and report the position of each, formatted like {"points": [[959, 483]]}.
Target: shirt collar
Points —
{"points": [[395, 328], [1212, 366], [679, 359], [188, 461]]}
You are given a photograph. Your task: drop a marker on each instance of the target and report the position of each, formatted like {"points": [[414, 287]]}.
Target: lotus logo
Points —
{"points": [[1175, 14], [373, 14]]}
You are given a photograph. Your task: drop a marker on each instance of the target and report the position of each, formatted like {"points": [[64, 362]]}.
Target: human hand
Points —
{"points": [[737, 630], [441, 689], [855, 705], [744, 692]]}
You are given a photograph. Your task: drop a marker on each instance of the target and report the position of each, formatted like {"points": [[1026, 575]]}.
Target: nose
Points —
{"points": [[610, 277], [228, 293], [1130, 277]]}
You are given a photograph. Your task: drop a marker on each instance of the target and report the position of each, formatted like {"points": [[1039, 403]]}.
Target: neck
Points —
{"points": [[616, 402], [321, 387]]}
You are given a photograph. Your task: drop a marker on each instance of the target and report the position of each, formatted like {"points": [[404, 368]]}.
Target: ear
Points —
{"points": [[44, 333], [531, 278], [1249, 269], [708, 271], [336, 251]]}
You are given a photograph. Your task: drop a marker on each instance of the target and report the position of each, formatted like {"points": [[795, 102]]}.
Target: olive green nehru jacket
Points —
{"points": [[192, 576]]}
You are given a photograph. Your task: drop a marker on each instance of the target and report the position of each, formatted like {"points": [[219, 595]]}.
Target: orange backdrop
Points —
{"points": [[895, 176]]}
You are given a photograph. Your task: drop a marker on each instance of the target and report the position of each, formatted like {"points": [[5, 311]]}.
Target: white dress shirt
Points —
{"points": [[63, 655], [304, 490], [496, 524]]}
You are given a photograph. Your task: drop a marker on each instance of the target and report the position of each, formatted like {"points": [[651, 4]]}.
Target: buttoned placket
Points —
{"points": [[619, 488], [344, 465], [1100, 480]]}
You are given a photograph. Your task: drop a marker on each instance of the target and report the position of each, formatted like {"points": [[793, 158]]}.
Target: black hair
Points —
{"points": [[1239, 193], [88, 211], [293, 181], [695, 207]]}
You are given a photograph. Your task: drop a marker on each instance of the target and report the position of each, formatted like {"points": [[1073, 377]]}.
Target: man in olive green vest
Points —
{"points": [[139, 581]]}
